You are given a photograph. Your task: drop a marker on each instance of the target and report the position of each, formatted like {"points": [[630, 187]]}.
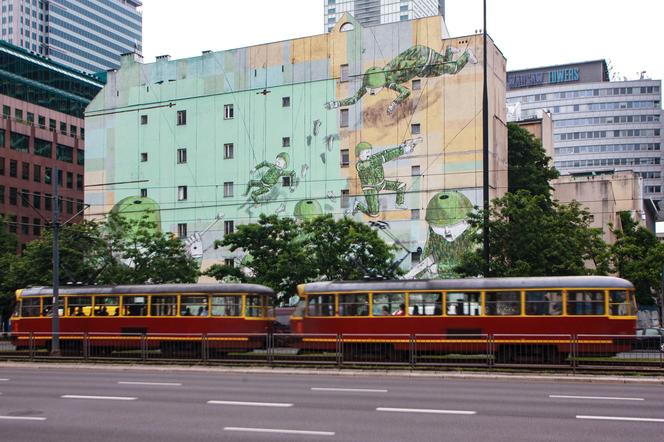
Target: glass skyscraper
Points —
{"points": [[376, 12], [82, 34]]}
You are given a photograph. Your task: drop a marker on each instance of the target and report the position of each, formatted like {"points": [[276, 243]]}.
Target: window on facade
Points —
{"points": [[18, 114], [285, 142], [228, 111], [52, 124], [144, 157], [36, 200], [18, 142], [48, 175], [343, 72], [2, 194], [64, 153], [144, 119], [2, 166], [182, 193], [25, 171], [228, 151], [229, 227], [415, 128], [181, 117], [285, 101], [73, 130], [344, 115], [182, 155], [345, 198], [417, 85], [144, 193], [228, 189], [70, 180], [41, 121], [63, 128], [80, 157], [414, 213], [286, 181], [182, 230], [415, 171], [6, 111], [25, 198], [43, 148], [229, 262], [79, 181], [36, 226], [30, 118], [13, 168], [345, 158]]}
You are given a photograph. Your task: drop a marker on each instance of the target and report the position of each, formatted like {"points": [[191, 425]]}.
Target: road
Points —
{"points": [[93, 404]]}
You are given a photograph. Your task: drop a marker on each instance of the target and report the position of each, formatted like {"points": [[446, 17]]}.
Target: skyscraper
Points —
{"points": [[376, 12], [86, 35]]}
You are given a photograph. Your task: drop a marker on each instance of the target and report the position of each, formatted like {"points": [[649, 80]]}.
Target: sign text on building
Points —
{"points": [[530, 79]]}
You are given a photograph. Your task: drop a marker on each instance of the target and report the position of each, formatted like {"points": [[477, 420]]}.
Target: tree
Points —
{"points": [[284, 253], [529, 166], [8, 245], [533, 236], [638, 256]]}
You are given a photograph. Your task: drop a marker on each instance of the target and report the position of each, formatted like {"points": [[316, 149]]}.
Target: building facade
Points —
{"points": [[376, 12], [86, 35], [42, 131], [599, 125], [371, 123]]}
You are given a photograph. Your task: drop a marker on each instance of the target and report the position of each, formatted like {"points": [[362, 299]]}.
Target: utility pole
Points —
{"points": [[485, 154], [55, 224]]}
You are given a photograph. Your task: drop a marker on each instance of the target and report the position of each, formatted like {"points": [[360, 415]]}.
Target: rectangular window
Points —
{"points": [[415, 128], [228, 111], [36, 226], [229, 262], [182, 193], [285, 101], [548, 303], [144, 120], [416, 85], [73, 130], [226, 305], [356, 304], [2, 166], [13, 168], [255, 306], [321, 305], [18, 142], [79, 181], [503, 303], [79, 306], [107, 305], [463, 303], [18, 114], [36, 200], [30, 307], [48, 201], [194, 305], [229, 227], [415, 171], [69, 204], [41, 121], [2, 194], [63, 128], [389, 304], [36, 173], [51, 124], [228, 189], [619, 303], [6, 111], [181, 117], [344, 115], [134, 306], [43, 148], [425, 304], [80, 156], [343, 73], [182, 156], [144, 193], [25, 198], [414, 213], [70, 180], [228, 151], [64, 153], [285, 141], [144, 157], [286, 181], [345, 158], [25, 225], [25, 171], [164, 306], [182, 230], [345, 198], [30, 118], [585, 302]]}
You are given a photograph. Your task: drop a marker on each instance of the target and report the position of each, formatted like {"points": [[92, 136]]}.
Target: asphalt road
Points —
{"points": [[83, 404]]}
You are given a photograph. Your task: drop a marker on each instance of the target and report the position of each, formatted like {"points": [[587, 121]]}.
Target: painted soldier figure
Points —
{"points": [[372, 175], [271, 176], [417, 61]]}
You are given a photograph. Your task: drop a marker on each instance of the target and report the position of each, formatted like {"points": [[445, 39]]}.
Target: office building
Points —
{"points": [[599, 125], [376, 12], [86, 35], [42, 131], [298, 128]]}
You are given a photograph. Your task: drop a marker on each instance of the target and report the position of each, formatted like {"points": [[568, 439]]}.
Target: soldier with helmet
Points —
{"points": [[271, 176]]}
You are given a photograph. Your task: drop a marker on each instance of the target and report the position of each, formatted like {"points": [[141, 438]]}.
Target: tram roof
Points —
{"points": [[542, 282], [148, 289]]}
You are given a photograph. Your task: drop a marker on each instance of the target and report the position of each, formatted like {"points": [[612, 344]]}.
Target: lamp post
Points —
{"points": [[55, 326], [485, 153]]}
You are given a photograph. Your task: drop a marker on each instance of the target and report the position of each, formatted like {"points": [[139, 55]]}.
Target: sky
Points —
{"points": [[530, 33]]}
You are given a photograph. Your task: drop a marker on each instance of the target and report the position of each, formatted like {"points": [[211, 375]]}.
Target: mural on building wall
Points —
{"points": [[238, 166], [417, 61]]}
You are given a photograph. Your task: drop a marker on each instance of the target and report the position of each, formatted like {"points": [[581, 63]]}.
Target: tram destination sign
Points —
{"points": [[555, 76]]}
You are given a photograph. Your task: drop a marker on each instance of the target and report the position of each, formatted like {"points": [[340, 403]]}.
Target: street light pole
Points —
{"points": [[485, 153], [55, 224]]}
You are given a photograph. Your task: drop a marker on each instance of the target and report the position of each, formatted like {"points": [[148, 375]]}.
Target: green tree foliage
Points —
{"points": [[533, 236], [8, 245], [284, 253], [529, 166], [638, 256]]}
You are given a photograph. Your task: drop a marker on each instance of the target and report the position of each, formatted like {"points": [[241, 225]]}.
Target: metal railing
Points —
{"points": [[485, 351]]}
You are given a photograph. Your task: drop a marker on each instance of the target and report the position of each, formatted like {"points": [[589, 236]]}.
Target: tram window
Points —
{"points": [[321, 305], [196, 305], [79, 305], [544, 303], [503, 303], [425, 304], [165, 306], [387, 304], [585, 302], [47, 307], [254, 308], [356, 304], [619, 303], [30, 307], [134, 306], [227, 305], [107, 305], [463, 304]]}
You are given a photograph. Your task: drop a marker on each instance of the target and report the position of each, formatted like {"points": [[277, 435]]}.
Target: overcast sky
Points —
{"points": [[530, 33]]}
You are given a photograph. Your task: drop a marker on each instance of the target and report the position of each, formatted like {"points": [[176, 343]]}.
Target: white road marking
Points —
{"points": [[252, 404], [164, 384], [618, 418], [600, 398], [23, 418], [353, 390], [424, 410], [281, 431], [107, 398]]}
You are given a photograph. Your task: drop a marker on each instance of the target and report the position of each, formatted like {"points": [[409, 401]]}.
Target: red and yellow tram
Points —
{"points": [[462, 315], [169, 316]]}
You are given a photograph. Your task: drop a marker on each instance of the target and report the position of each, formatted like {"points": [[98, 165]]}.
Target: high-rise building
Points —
{"points": [[42, 131], [86, 35], [376, 12], [599, 125]]}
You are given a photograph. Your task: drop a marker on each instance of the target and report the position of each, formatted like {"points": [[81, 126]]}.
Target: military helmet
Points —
{"points": [[447, 208], [135, 208], [307, 209], [375, 77], [284, 156], [362, 147]]}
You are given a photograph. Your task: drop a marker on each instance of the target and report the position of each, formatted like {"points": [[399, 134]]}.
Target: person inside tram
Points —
{"points": [[401, 311], [385, 311], [416, 311], [102, 311], [79, 311]]}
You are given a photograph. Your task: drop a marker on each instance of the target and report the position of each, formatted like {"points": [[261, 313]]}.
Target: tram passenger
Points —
{"points": [[385, 311], [401, 311]]}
